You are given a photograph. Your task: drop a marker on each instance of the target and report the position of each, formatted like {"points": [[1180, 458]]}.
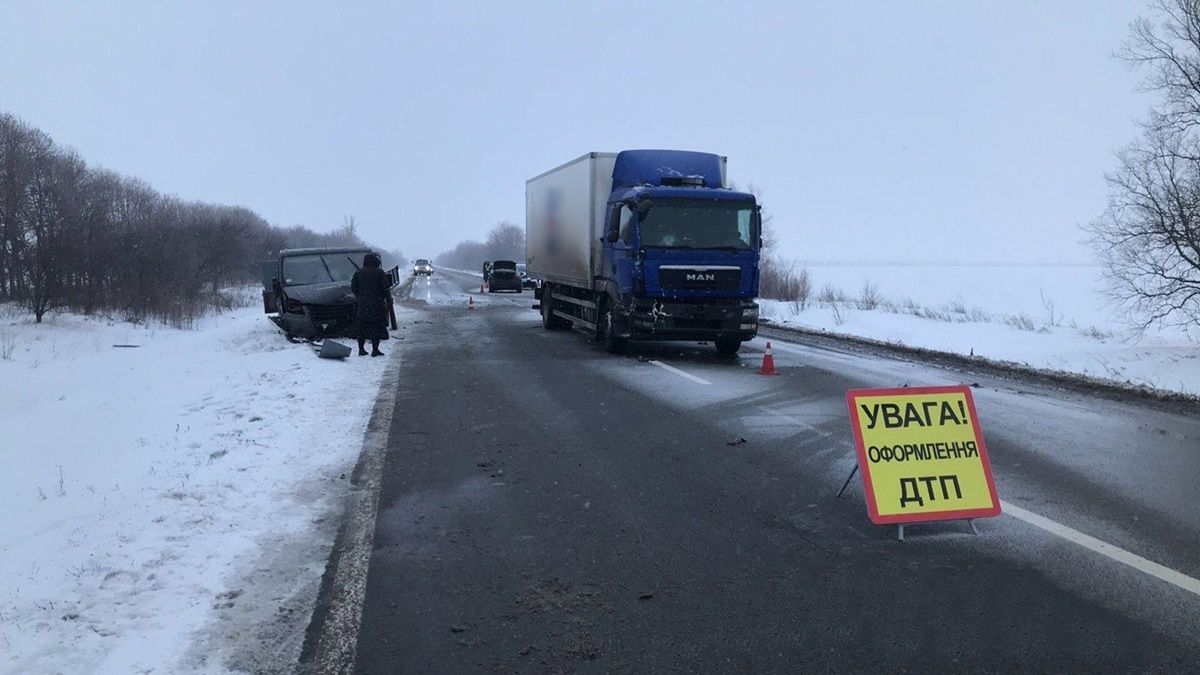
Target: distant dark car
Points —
{"points": [[526, 280], [504, 277], [422, 266], [307, 291]]}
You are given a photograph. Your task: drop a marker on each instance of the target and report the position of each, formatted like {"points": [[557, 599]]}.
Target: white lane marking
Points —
{"points": [[1106, 549], [686, 376]]}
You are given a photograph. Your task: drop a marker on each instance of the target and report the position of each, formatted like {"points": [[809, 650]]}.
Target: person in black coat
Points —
{"points": [[372, 288]]}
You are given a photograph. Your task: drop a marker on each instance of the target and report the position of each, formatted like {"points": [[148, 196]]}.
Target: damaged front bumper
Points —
{"points": [[707, 319], [316, 322]]}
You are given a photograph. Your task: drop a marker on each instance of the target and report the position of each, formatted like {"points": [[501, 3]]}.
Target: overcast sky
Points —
{"points": [[876, 131]]}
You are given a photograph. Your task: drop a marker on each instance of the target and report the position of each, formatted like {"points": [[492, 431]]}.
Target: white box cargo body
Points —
{"points": [[564, 220]]}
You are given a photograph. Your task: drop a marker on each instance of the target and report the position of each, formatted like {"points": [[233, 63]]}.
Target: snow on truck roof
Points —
{"points": [[649, 167]]}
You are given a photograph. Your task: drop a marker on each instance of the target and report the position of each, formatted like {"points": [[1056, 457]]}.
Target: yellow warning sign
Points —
{"points": [[921, 454]]}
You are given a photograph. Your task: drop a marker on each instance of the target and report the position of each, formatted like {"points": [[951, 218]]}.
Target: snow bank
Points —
{"points": [[141, 483], [1075, 291], [1014, 325]]}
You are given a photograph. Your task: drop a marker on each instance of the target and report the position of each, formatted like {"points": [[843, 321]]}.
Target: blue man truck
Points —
{"points": [[645, 245]]}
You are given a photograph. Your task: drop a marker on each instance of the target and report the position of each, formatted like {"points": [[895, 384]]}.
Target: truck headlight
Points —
{"points": [[750, 314]]}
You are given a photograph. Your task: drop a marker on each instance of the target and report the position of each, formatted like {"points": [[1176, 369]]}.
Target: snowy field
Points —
{"points": [[1047, 317], [168, 505]]}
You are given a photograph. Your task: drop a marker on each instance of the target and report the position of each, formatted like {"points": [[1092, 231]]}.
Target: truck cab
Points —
{"points": [[682, 263]]}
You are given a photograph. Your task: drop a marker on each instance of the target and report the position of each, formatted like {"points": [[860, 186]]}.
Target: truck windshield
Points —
{"points": [[301, 270], [698, 223]]}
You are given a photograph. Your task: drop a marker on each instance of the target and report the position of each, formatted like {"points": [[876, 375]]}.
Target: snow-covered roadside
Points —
{"points": [[140, 484], [1167, 359]]}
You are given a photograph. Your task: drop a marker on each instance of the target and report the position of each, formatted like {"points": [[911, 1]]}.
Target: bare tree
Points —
{"points": [[1170, 52], [778, 278], [506, 241], [1149, 235], [16, 168], [96, 242], [769, 237], [466, 255], [51, 207]]}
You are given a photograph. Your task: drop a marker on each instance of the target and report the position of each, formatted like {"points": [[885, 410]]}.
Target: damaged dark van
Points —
{"points": [[306, 291]]}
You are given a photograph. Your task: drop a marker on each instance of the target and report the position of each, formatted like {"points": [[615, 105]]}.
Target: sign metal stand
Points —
{"points": [[848, 479]]}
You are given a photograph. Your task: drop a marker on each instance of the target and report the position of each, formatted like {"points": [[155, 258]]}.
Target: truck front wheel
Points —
{"points": [[613, 343], [728, 346]]}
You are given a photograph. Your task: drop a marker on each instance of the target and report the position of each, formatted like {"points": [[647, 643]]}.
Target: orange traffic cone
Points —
{"points": [[471, 302], [768, 364]]}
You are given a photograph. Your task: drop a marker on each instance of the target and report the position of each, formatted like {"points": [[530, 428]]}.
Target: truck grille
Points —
{"points": [[703, 324], [700, 278]]}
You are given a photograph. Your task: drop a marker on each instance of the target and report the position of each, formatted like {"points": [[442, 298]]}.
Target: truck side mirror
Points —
{"points": [[643, 207]]}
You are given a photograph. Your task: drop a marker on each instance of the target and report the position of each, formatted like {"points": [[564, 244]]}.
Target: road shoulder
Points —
{"points": [[331, 639]]}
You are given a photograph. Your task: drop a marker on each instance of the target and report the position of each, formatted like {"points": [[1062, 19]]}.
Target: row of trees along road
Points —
{"points": [[1149, 236], [91, 240], [505, 241]]}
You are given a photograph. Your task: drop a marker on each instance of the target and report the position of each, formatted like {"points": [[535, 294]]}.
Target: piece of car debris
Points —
{"points": [[128, 346], [645, 595], [737, 441], [330, 349]]}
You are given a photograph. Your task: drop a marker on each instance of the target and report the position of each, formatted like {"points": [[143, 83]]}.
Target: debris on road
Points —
{"points": [[330, 349]]}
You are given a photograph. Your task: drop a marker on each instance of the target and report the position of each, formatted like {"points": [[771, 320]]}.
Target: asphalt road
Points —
{"points": [[546, 506]]}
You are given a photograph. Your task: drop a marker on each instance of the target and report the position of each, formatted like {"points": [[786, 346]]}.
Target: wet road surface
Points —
{"points": [[546, 506]]}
